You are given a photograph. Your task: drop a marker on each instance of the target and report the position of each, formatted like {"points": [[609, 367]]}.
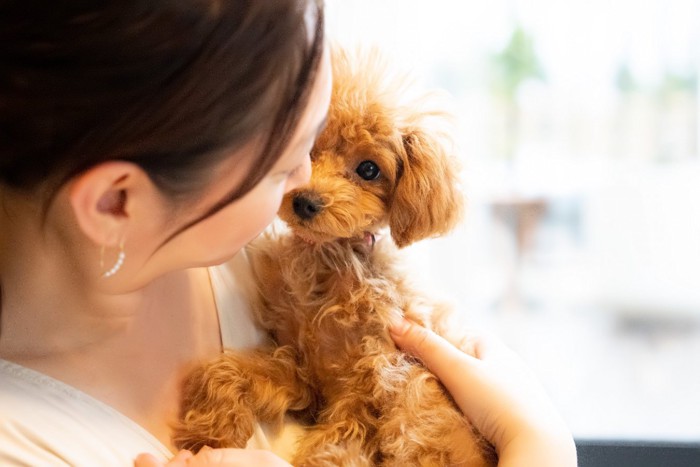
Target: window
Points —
{"points": [[578, 127]]}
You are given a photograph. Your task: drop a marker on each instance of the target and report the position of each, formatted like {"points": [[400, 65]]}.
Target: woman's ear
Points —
{"points": [[101, 200], [427, 200]]}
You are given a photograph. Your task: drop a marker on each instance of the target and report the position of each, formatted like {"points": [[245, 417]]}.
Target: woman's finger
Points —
{"points": [[441, 357]]}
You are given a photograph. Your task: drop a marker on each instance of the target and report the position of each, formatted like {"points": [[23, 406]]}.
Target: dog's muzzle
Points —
{"points": [[306, 207]]}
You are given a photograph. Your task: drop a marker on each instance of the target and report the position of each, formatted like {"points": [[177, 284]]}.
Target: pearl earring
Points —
{"points": [[117, 265]]}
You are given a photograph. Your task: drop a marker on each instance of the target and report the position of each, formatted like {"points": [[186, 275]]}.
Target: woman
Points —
{"points": [[141, 144]]}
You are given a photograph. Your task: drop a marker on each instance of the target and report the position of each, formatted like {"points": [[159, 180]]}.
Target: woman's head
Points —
{"points": [[186, 91], [173, 86]]}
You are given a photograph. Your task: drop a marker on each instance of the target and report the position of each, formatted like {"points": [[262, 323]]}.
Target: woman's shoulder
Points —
{"points": [[46, 422], [236, 297]]}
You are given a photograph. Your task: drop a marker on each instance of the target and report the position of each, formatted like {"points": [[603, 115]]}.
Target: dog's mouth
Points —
{"points": [[317, 219], [312, 231], [309, 232], [314, 238], [311, 237]]}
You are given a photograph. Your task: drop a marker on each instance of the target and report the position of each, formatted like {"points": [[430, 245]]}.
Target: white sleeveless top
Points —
{"points": [[44, 422]]}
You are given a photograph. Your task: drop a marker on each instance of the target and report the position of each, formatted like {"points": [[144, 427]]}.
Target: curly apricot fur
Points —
{"points": [[327, 294]]}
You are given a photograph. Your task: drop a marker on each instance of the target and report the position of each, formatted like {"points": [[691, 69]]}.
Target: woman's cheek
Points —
{"points": [[301, 177], [267, 210]]}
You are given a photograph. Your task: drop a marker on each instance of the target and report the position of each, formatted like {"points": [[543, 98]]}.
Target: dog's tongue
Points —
{"points": [[370, 239]]}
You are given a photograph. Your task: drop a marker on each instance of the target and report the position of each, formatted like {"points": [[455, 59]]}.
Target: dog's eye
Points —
{"points": [[368, 170]]}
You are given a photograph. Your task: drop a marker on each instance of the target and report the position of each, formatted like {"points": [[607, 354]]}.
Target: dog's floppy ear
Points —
{"points": [[427, 201]]}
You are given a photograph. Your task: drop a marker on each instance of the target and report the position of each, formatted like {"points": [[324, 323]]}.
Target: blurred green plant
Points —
{"points": [[677, 82], [515, 64], [625, 81], [510, 68], [671, 82]]}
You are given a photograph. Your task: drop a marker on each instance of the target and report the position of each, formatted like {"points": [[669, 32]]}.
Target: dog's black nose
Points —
{"points": [[305, 207]]}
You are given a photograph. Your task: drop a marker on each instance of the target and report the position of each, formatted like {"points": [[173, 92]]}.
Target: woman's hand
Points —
{"points": [[215, 457], [497, 392]]}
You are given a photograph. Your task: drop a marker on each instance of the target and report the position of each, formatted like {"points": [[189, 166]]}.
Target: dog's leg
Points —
{"points": [[422, 427], [222, 399], [345, 433], [320, 447]]}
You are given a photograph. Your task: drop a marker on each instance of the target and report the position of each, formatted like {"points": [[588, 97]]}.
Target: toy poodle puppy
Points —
{"points": [[328, 288]]}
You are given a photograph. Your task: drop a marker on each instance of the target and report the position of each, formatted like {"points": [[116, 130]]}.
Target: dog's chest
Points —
{"points": [[338, 300]]}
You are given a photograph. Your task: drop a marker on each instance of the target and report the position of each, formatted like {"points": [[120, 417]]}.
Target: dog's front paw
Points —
{"points": [[214, 410], [197, 429]]}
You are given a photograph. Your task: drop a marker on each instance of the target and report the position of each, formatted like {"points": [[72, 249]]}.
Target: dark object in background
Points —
{"points": [[611, 453]]}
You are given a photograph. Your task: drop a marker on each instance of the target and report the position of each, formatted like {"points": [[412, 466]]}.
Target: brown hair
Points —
{"points": [[171, 85]]}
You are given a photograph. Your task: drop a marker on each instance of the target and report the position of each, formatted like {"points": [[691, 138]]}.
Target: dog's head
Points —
{"points": [[377, 163]]}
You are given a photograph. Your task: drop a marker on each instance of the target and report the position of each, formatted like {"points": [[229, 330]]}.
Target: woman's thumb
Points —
{"points": [[434, 351]]}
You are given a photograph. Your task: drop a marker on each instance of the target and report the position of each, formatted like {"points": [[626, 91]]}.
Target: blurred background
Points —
{"points": [[578, 127]]}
